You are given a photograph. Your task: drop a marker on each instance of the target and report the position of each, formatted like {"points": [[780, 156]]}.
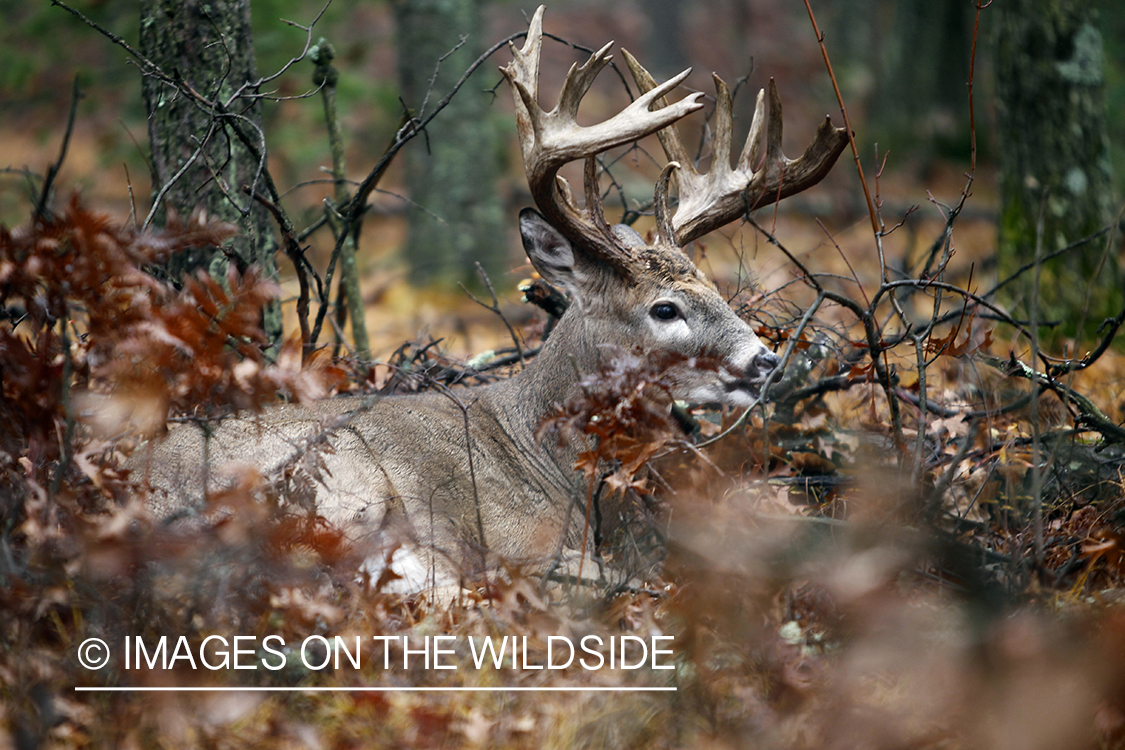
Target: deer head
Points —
{"points": [[644, 296]]}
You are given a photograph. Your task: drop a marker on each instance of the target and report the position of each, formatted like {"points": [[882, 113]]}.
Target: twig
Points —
{"points": [[775, 373], [1049, 256], [253, 86], [1036, 464], [946, 478], [352, 211], [67, 406], [132, 198], [1114, 324], [947, 413], [176, 177], [331, 211], [923, 402], [325, 77], [847, 121], [448, 393], [507, 359], [1089, 415], [296, 255], [495, 307], [53, 171], [148, 66]]}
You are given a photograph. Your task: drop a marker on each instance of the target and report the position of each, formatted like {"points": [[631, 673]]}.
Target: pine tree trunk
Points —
{"points": [[195, 155], [452, 170], [1054, 153]]}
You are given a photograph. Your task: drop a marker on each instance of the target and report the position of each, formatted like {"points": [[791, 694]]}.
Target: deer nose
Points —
{"points": [[762, 365]]}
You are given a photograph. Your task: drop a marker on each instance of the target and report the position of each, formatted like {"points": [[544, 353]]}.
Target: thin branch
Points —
{"points": [[1049, 256], [495, 307], [176, 177], [790, 348], [296, 254], [847, 120], [1075, 365], [53, 171], [1089, 415], [352, 211], [148, 66]]}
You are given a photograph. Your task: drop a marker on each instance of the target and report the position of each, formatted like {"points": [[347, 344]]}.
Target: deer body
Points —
{"points": [[398, 471], [448, 482]]}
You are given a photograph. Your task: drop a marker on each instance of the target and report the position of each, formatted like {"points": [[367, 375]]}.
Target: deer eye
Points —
{"points": [[664, 311]]}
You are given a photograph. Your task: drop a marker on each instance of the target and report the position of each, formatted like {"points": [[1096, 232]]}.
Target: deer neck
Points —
{"points": [[571, 353]]}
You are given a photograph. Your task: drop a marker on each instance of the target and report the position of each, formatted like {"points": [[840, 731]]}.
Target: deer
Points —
{"points": [[440, 486]]}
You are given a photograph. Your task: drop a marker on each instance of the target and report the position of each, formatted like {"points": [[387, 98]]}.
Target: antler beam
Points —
{"points": [[720, 196]]}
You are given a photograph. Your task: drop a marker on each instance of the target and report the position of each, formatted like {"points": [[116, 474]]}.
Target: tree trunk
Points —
{"points": [[197, 159], [451, 171], [1054, 154], [919, 51]]}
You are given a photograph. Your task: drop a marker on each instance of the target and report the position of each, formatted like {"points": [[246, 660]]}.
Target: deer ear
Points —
{"points": [[550, 252]]}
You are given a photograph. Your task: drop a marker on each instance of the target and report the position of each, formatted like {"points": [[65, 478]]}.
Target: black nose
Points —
{"points": [[762, 365]]}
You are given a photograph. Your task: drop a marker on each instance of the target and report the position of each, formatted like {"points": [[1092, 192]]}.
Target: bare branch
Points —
{"points": [[52, 173]]}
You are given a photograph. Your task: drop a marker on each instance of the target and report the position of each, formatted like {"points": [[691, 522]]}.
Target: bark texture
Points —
{"points": [[452, 170], [1054, 153], [195, 151]]}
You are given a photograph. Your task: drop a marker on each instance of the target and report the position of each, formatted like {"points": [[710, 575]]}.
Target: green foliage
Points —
{"points": [[276, 42], [34, 71]]}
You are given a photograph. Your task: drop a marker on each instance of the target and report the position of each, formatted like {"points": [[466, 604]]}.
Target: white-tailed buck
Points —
{"points": [[453, 481]]}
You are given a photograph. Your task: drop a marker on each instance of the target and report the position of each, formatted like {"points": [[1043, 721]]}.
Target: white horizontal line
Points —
{"points": [[369, 689]]}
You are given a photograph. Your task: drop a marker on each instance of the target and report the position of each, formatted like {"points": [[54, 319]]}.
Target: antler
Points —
{"points": [[551, 139], [708, 201]]}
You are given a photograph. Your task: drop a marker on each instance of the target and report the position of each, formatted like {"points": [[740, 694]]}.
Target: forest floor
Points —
{"points": [[808, 603]]}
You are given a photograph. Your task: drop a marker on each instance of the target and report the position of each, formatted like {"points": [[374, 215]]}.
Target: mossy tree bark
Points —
{"points": [[196, 155], [452, 170], [1054, 155]]}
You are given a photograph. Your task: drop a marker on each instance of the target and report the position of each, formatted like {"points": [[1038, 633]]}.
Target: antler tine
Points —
{"points": [[725, 199], [696, 190], [579, 79], [724, 125], [718, 197], [523, 72], [669, 137], [593, 197], [664, 229], [551, 139], [752, 150], [775, 160]]}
